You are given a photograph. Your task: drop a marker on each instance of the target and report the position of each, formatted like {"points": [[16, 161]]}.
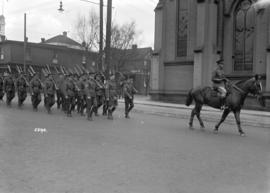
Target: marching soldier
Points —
{"points": [[90, 92], [129, 91], [81, 97], [111, 96], [9, 88], [59, 95], [69, 93], [1, 88], [74, 100], [21, 85], [100, 92], [49, 93], [35, 89]]}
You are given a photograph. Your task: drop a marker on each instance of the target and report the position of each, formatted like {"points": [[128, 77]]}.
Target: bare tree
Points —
{"points": [[122, 37], [87, 29]]}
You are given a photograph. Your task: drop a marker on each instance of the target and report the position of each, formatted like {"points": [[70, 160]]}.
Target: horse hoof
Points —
{"points": [[243, 134], [215, 131], [191, 127]]}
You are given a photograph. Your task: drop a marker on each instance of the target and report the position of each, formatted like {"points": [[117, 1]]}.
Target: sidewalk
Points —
{"points": [[144, 104]]}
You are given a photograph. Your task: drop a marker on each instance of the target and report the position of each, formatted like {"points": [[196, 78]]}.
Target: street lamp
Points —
{"points": [[61, 7]]}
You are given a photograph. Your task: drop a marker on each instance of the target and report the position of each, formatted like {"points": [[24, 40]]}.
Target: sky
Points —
{"points": [[45, 21]]}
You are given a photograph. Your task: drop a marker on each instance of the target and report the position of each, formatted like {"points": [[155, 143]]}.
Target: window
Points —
{"points": [[83, 59], [55, 58], [244, 36], [182, 25]]}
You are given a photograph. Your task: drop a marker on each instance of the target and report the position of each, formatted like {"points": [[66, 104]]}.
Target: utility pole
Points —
{"points": [[108, 38], [100, 63], [24, 45]]}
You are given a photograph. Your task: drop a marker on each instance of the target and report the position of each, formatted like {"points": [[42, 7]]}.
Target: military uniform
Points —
{"points": [[1, 88], [100, 92], [9, 88], [81, 97], [128, 92], [111, 96], [90, 93], [36, 88], [59, 95], [219, 79], [69, 93], [21, 85], [49, 93]]}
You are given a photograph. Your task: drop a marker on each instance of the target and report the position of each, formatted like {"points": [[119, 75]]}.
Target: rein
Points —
{"points": [[238, 89]]}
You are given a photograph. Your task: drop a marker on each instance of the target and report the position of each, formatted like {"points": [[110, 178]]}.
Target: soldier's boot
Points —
{"points": [[127, 116], [89, 116], [110, 117], [96, 111]]}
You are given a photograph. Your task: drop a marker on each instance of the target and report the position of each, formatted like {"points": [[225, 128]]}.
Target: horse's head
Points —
{"points": [[255, 88]]}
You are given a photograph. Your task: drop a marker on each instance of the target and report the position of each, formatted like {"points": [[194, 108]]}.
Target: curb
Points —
{"points": [[258, 119]]}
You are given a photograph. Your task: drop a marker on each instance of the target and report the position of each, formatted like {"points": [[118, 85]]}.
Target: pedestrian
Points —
{"points": [[35, 89], [49, 93], [21, 85], [59, 96], [69, 93], [1, 87], [111, 96], [9, 88], [90, 92], [100, 91], [129, 91], [81, 97]]}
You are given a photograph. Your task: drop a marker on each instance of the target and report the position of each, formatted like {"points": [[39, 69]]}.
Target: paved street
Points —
{"points": [[149, 153]]}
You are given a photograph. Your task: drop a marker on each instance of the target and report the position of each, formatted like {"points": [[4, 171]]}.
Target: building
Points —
{"points": [[134, 63], [57, 51], [191, 35]]}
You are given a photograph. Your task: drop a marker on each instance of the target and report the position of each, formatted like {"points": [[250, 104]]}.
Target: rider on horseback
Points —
{"points": [[219, 80]]}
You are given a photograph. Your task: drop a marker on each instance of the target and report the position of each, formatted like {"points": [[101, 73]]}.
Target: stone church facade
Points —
{"points": [[191, 35]]}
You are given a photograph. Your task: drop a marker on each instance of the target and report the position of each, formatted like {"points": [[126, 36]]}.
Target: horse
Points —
{"points": [[234, 100]]}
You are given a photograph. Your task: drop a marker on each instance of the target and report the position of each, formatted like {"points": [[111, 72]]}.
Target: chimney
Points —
{"points": [[65, 33], [42, 40], [134, 46]]}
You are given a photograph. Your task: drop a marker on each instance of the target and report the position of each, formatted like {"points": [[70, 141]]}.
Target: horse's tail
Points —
{"points": [[189, 98]]}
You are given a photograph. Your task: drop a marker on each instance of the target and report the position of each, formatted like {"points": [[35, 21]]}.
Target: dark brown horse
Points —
{"points": [[235, 98]]}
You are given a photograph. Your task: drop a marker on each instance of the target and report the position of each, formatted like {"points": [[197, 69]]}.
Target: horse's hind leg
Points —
{"points": [[198, 115], [224, 115], [191, 118], [238, 122]]}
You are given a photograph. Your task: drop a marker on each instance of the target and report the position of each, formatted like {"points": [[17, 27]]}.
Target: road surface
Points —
{"points": [[144, 154]]}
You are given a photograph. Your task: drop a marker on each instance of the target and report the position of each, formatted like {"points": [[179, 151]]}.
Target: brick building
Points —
{"points": [[57, 51]]}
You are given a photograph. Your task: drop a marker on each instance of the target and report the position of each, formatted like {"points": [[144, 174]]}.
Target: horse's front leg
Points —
{"points": [[191, 119], [238, 122], [198, 115], [224, 115]]}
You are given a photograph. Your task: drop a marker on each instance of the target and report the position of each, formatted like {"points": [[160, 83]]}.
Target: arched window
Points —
{"points": [[182, 27], [243, 36]]}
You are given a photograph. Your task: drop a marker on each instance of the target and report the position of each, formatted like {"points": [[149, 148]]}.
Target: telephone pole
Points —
{"points": [[24, 45], [108, 38], [100, 63]]}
